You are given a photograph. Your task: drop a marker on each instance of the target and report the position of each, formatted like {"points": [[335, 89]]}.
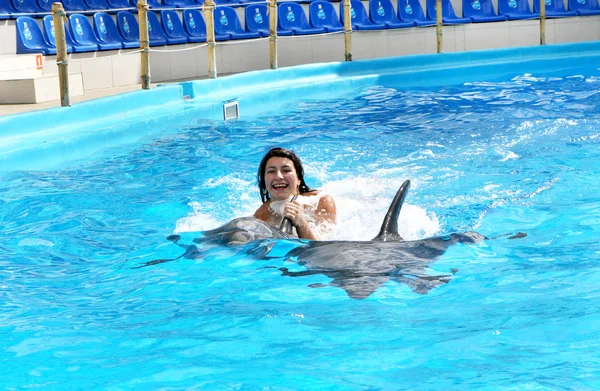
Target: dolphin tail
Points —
{"points": [[389, 228]]}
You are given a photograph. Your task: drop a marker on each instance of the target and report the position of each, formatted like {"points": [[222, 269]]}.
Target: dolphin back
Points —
{"points": [[389, 228]]}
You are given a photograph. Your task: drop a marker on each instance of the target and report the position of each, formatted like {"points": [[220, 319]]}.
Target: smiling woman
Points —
{"points": [[285, 194]]}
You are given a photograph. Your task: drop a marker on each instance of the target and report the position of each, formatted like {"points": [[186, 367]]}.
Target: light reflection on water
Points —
{"points": [[498, 157]]}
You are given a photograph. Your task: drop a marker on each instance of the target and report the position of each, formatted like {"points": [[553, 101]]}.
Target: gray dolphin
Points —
{"points": [[358, 267]]}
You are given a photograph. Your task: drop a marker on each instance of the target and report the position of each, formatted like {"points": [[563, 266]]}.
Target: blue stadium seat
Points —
{"points": [[6, 10], [107, 33], [180, 3], [121, 5], [554, 9], [50, 35], [227, 22], [154, 4], [72, 46], [448, 14], [26, 7], [191, 38], [292, 17], [481, 11], [30, 38], [411, 11], [257, 20], [584, 7], [322, 14], [383, 12], [360, 18], [45, 5], [156, 33], [173, 27], [128, 27], [75, 5], [195, 27], [516, 9], [97, 5], [83, 33]]}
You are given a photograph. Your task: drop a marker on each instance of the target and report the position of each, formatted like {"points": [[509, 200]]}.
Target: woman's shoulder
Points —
{"points": [[262, 213]]}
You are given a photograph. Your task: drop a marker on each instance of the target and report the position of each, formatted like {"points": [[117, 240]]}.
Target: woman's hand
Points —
{"points": [[295, 212]]}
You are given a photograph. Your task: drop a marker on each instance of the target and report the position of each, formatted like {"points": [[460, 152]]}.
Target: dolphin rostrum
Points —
{"points": [[358, 267]]}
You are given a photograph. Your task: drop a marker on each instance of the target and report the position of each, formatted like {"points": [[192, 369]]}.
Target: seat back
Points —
{"points": [[193, 23], [50, 34], [256, 17], [323, 14], [179, 3], [29, 36], [128, 26], [478, 7], [6, 10], [447, 9], [26, 6], [75, 5], [358, 12], [97, 4], [106, 29], [120, 4], [156, 4], [382, 11], [410, 10], [576, 5], [45, 5], [291, 16], [513, 7], [155, 30], [227, 21], [551, 5], [81, 30], [172, 24]]}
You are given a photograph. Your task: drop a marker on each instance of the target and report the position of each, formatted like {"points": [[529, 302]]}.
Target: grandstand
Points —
{"points": [[103, 36]]}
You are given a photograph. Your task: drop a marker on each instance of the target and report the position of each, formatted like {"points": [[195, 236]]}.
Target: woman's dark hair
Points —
{"points": [[280, 152]]}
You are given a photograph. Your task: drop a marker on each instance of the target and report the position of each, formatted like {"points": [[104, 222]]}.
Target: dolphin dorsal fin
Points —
{"points": [[389, 228]]}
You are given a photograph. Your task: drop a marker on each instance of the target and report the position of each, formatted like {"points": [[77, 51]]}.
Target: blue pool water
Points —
{"points": [[518, 154]]}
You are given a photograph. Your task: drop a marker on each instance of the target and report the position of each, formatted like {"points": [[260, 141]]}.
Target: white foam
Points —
{"points": [[361, 204]]}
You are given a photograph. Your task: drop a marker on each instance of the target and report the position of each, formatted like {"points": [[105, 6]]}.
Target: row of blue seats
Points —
{"points": [[105, 34], [11, 9], [471, 8]]}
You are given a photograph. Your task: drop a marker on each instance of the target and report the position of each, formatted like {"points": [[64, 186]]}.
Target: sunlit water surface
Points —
{"points": [[514, 155]]}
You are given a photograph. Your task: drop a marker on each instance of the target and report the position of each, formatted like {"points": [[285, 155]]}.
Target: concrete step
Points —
{"points": [[37, 89], [21, 66]]}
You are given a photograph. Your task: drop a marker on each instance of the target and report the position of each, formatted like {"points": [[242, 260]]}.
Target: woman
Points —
{"points": [[280, 178]]}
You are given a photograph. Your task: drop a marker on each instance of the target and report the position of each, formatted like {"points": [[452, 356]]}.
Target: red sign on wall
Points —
{"points": [[38, 61]]}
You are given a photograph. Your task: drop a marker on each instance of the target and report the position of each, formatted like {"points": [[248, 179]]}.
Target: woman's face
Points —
{"points": [[281, 179]]}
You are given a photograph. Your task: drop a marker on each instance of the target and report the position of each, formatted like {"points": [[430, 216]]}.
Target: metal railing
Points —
{"points": [[62, 60]]}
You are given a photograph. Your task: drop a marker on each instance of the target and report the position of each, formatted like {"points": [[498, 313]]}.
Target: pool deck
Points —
{"points": [[88, 95]]}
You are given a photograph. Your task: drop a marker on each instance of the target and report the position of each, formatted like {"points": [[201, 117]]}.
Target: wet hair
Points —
{"points": [[280, 152]]}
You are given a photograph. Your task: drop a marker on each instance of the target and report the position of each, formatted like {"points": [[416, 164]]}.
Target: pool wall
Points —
{"points": [[49, 138]]}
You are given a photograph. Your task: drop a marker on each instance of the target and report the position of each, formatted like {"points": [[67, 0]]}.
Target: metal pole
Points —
{"points": [[209, 10], [62, 59], [273, 33], [348, 30], [542, 22], [144, 43], [438, 26]]}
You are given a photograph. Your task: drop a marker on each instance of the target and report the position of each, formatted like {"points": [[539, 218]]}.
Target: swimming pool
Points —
{"points": [[519, 153]]}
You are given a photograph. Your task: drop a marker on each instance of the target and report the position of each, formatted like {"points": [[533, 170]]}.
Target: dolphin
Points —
{"points": [[358, 267]]}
